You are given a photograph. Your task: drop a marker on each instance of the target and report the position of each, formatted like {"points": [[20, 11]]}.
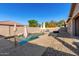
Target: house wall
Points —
{"points": [[77, 26], [69, 27], [71, 23], [76, 11]]}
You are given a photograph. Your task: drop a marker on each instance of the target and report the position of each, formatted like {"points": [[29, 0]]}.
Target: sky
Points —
{"points": [[42, 12]]}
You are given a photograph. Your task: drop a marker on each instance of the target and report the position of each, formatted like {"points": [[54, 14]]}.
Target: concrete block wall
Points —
{"points": [[4, 30]]}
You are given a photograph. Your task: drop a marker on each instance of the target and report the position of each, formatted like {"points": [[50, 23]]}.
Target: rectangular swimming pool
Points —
{"points": [[32, 36]]}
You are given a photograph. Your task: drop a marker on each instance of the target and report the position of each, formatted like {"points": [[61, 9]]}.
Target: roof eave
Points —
{"points": [[71, 11]]}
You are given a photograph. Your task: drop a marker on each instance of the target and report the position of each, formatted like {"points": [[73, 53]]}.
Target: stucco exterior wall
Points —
{"points": [[76, 11], [69, 27], [71, 23]]}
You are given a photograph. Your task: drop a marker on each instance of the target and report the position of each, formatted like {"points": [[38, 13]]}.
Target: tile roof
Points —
{"points": [[10, 23]]}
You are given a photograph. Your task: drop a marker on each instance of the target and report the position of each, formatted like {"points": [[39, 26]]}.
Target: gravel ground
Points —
{"points": [[57, 46]]}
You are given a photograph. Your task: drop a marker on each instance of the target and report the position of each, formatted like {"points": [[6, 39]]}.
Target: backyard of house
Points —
{"points": [[58, 44]]}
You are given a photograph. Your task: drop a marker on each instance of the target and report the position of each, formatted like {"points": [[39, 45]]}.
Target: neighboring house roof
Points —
{"points": [[71, 11], [10, 23]]}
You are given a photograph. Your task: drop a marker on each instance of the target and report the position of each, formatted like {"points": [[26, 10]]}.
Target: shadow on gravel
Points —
{"points": [[64, 34], [29, 49], [53, 52], [75, 50], [22, 50]]}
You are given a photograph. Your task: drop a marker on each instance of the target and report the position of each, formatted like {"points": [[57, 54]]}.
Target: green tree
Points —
{"points": [[46, 24], [61, 23], [33, 23], [51, 24]]}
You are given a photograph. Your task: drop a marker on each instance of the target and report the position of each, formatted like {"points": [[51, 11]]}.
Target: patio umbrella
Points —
{"points": [[44, 25], [15, 28], [41, 26], [14, 33], [25, 32]]}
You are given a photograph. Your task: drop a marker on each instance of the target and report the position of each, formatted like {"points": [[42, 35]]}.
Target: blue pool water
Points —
{"points": [[25, 40], [22, 42]]}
